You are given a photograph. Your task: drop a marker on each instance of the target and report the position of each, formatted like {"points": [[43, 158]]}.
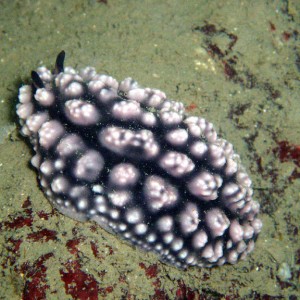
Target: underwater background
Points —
{"points": [[237, 64]]}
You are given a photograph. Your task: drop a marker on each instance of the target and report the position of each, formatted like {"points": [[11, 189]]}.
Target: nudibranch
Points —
{"points": [[135, 162]]}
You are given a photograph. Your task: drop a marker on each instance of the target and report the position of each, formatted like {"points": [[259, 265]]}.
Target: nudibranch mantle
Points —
{"points": [[135, 162]]}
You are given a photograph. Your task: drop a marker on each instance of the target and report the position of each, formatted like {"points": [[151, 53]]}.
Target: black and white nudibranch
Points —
{"points": [[132, 160]]}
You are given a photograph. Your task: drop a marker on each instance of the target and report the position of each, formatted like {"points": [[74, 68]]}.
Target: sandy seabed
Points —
{"points": [[234, 63]]}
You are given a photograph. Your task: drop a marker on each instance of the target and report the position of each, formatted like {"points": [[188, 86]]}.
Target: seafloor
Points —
{"points": [[236, 63]]}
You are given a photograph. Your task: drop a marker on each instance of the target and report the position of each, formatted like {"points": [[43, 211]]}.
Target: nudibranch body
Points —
{"points": [[132, 160]]}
